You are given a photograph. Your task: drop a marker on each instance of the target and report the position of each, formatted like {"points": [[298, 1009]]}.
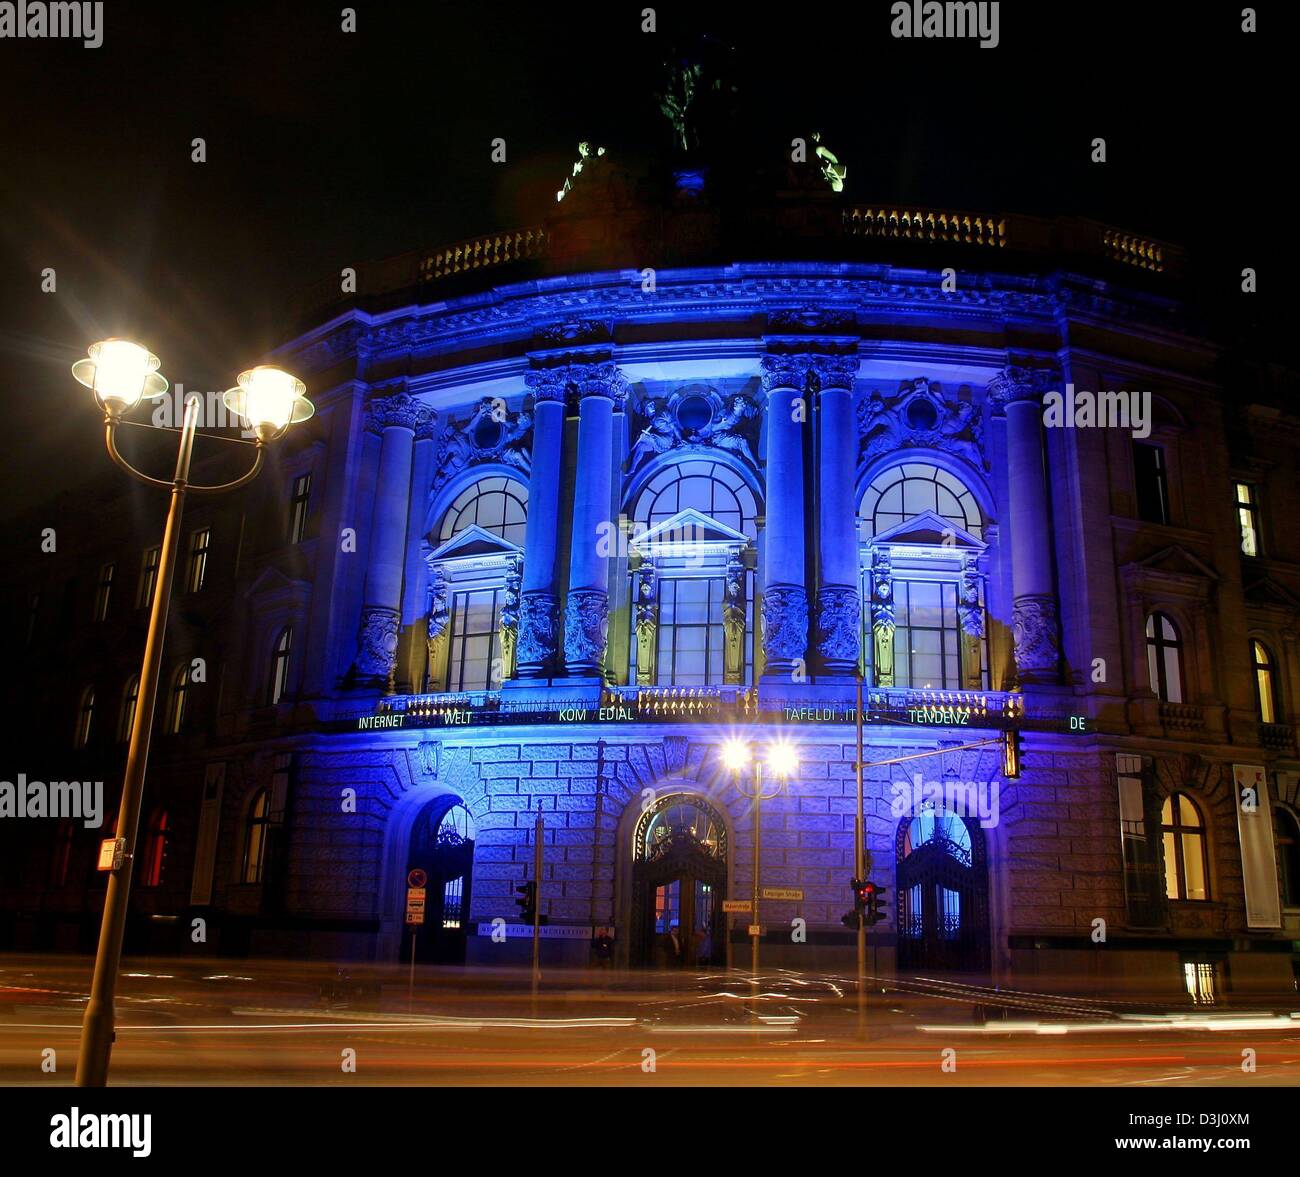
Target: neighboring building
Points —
{"points": [[563, 525]]}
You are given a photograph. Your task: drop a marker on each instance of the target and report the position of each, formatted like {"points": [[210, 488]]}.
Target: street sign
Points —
{"points": [[781, 892], [111, 853], [755, 929], [415, 897], [417, 878], [737, 905]]}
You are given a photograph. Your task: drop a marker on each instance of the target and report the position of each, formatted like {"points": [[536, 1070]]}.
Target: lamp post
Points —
{"points": [[782, 762], [121, 374]]}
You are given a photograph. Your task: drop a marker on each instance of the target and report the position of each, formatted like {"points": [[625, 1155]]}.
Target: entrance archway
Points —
{"points": [[679, 880], [442, 845], [942, 881]]}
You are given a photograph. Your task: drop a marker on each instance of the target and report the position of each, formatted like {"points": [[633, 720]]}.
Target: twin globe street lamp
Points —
{"points": [[782, 763], [122, 374]]}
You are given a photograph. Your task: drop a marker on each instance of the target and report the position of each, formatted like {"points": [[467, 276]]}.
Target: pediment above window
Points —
{"points": [[928, 530], [1172, 569], [1267, 598], [689, 533], [472, 550]]}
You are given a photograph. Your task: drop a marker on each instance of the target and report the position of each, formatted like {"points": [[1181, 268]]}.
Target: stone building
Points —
{"points": [[583, 502]]}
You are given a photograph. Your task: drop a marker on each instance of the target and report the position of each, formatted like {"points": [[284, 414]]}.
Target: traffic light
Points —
{"points": [[853, 919], [875, 901], [527, 901], [1011, 755]]}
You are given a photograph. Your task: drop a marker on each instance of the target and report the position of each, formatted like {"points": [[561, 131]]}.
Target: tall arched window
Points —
{"points": [[126, 717], [280, 664], [711, 488], [257, 818], [154, 850], [176, 699], [85, 715], [1265, 690], [1165, 658], [903, 492], [498, 505], [1187, 865], [1286, 836]]}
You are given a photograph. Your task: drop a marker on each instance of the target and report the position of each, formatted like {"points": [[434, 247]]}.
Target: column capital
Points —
{"points": [[1014, 384], [400, 411], [577, 379], [809, 369]]}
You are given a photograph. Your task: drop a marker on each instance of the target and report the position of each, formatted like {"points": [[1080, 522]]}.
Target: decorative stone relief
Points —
{"points": [[510, 617], [1037, 641], [646, 611], [399, 411], [491, 434], [538, 631], [882, 617], [922, 416], [733, 624], [839, 624], [377, 643], [665, 425], [586, 630], [785, 625]]}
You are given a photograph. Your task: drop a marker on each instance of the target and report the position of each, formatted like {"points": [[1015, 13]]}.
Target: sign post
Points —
{"points": [[415, 900]]}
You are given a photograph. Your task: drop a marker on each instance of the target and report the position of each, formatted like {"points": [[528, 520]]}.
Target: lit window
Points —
{"points": [[1152, 482], [155, 849], [1187, 874], [199, 543], [498, 505], [1164, 658], [255, 827], [927, 637], [148, 578], [176, 701], [690, 640], [711, 488], [280, 664], [475, 640], [1286, 836], [104, 591], [299, 502], [1202, 981], [85, 714], [126, 718], [1265, 696], [1248, 518], [903, 492]]}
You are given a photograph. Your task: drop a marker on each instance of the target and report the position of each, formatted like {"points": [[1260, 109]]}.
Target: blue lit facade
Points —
{"points": [[567, 535]]}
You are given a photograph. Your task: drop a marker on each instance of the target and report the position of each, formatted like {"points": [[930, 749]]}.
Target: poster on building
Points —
{"points": [[1255, 829]]}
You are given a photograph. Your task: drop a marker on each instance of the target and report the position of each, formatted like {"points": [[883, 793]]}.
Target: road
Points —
{"points": [[248, 1023]]}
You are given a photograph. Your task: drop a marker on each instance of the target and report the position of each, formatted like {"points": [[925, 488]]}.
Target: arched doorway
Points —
{"points": [[679, 880], [442, 845], [942, 885]]}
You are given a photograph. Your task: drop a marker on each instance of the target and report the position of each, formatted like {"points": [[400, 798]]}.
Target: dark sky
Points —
{"points": [[326, 149]]}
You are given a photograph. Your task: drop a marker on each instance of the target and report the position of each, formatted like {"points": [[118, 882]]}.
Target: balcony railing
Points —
{"points": [[496, 249], [925, 224], [1182, 717], [1278, 737]]}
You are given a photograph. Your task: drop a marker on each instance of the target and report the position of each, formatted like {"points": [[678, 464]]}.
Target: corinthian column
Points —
{"points": [[539, 607], [839, 606], [1034, 615], [785, 596], [599, 386], [396, 419]]}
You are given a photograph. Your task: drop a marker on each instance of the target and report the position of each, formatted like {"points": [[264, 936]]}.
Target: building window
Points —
{"points": [[148, 578], [927, 638], [177, 699], [1286, 836], [299, 502], [1204, 980], [104, 590], [155, 849], [1152, 482], [475, 657], [1165, 658], [1265, 692], [498, 505], [690, 638], [126, 717], [711, 488], [1187, 871], [199, 543], [255, 828], [1248, 518], [85, 714], [280, 664], [903, 492]]}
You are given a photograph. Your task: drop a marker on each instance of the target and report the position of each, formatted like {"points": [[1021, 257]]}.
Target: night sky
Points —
{"points": [[327, 149]]}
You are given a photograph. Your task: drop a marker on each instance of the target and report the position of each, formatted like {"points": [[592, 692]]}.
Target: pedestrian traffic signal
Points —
{"points": [[854, 919], [875, 903], [527, 901], [1011, 755]]}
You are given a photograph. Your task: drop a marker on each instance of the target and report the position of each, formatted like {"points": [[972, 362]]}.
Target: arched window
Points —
{"points": [[126, 717], [1165, 658], [257, 818], [455, 830], [85, 715], [1286, 836], [1187, 866], [942, 827], [1265, 691], [711, 488], [280, 664], [155, 849], [903, 492], [177, 698], [498, 505]]}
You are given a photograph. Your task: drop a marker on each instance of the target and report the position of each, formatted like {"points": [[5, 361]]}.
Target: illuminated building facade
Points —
{"points": [[583, 502]]}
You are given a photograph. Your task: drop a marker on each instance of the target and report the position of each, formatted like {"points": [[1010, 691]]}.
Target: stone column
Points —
{"points": [[396, 419], [600, 386], [839, 606], [539, 607], [1034, 614], [785, 595]]}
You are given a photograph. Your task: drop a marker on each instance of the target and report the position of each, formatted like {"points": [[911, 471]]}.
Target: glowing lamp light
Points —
{"points": [[735, 754], [269, 400], [120, 373], [781, 759]]}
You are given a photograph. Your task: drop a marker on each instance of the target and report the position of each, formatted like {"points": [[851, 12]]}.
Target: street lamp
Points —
{"points": [[121, 374], [782, 763]]}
